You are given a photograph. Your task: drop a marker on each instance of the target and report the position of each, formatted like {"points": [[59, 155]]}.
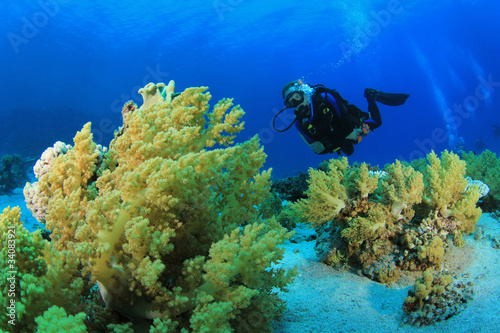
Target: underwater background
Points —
{"points": [[67, 62]]}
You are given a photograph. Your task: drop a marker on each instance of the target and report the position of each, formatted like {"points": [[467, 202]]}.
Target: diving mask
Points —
{"points": [[294, 99], [299, 86], [299, 97]]}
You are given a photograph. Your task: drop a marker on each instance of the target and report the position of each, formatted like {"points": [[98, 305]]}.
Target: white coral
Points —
{"points": [[483, 188], [380, 174], [43, 165], [36, 199]]}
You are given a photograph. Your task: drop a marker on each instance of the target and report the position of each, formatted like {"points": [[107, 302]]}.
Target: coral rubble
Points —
{"points": [[436, 297]]}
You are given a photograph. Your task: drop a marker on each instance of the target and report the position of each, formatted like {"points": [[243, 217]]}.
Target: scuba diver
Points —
{"points": [[327, 122]]}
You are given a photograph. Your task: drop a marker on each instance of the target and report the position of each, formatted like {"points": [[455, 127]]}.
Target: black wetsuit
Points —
{"points": [[332, 119]]}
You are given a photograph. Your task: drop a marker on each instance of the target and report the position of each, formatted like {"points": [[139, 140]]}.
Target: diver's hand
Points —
{"points": [[355, 134]]}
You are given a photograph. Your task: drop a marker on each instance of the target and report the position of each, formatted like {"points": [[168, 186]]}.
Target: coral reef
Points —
{"points": [[12, 173], [399, 218], [164, 222], [291, 188], [436, 297], [486, 168]]}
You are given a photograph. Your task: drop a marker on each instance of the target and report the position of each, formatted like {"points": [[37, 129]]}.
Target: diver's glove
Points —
{"points": [[355, 134]]}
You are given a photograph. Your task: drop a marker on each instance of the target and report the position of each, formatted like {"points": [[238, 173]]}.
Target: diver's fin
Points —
{"points": [[387, 98]]}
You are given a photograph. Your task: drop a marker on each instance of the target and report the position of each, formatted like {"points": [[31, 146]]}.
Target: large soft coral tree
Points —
{"points": [[166, 223]]}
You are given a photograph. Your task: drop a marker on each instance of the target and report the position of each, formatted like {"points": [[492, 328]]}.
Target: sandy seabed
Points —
{"points": [[323, 299]]}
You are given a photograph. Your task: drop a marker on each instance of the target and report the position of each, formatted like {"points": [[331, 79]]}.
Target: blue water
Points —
{"points": [[66, 62]]}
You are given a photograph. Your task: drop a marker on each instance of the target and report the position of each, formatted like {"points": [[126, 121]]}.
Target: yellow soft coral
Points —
{"points": [[73, 170], [173, 128], [430, 285], [432, 252], [411, 212], [372, 227], [403, 187], [485, 167], [361, 182], [33, 274], [445, 182], [326, 194], [56, 320], [446, 194], [143, 220], [247, 255]]}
